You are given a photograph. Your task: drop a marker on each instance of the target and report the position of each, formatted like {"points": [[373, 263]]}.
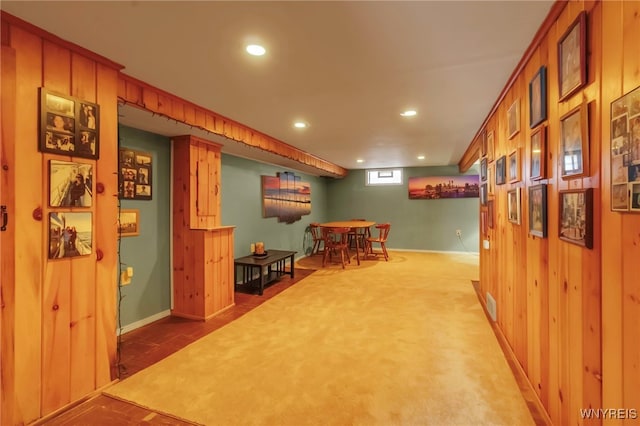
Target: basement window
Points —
{"points": [[384, 177]]}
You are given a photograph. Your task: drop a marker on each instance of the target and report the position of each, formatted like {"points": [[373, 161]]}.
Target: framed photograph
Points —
{"points": [[483, 144], [441, 187], [135, 177], [538, 154], [572, 63], [70, 184], [538, 97], [70, 234], [68, 126], [483, 169], [484, 222], [625, 150], [490, 180], [513, 205], [576, 216], [513, 119], [538, 210], [574, 143], [514, 166], [490, 145], [635, 196], [129, 222], [483, 194], [501, 170], [490, 213]]}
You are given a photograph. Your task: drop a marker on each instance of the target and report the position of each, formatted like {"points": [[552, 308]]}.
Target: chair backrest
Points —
{"points": [[315, 231], [384, 230], [335, 236]]}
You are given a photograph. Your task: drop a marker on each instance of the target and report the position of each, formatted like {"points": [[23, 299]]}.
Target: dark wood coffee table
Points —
{"points": [[270, 267]]}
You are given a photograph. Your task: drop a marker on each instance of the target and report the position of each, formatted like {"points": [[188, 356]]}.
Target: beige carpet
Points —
{"points": [[403, 342]]}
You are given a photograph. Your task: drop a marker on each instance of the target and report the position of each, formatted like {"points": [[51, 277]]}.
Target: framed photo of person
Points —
{"points": [[574, 143], [68, 126], [135, 175], [576, 216], [513, 205], [572, 62], [70, 184], [538, 210], [538, 153], [538, 97], [70, 234]]}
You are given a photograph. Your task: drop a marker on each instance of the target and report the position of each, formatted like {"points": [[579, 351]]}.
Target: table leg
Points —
{"points": [[262, 279], [357, 248], [292, 267]]}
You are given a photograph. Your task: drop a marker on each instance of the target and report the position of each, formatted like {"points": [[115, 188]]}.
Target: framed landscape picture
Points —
{"points": [[572, 62], [574, 143], [538, 210], [538, 97], [576, 216], [129, 223]]}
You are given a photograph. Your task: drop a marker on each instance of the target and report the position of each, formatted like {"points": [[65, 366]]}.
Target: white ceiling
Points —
{"points": [[346, 68]]}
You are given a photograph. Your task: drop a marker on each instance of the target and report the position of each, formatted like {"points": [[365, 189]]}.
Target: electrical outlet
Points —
{"points": [[458, 233]]}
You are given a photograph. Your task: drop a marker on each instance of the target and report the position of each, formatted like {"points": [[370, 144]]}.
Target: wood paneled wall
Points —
{"points": [[58, 316], [570, 314]]}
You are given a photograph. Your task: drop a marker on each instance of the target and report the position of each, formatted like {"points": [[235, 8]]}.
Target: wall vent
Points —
{"points": [[491, 306]]}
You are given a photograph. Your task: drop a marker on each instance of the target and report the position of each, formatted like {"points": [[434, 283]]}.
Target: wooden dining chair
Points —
{"points": [[383, 233], [336, 240], [361, 234], [318, 241]]}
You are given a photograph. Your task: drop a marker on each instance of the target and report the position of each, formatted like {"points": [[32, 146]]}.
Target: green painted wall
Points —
{"points": [[415, 224], [242, 207], [148, 253]]}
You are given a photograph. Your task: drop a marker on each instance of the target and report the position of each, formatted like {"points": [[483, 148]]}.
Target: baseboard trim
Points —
{"points": [[435, 251], [148, 320]]}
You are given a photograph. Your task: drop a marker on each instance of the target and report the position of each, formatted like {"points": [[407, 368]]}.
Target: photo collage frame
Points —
{"points": [[135, 173]]}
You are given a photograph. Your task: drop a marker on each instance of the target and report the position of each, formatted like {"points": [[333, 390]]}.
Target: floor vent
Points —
{"points": [[491, 306]]}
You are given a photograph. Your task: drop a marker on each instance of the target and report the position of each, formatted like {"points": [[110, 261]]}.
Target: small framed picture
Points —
{"points": [[576, 216], [538, 153], [70, 234], [490, 179], [484, 222], [513, 205], [70, 184], [135, 177], [68, 126], [490, 145], [538, 210], [538, 97], [129, 222], [620, 197], [574, 143], [483, 169], [572, 64], [513, 119], [483, 194], [635, 196], [514, 166], [501, 170], [490, 213], [483, 144]]}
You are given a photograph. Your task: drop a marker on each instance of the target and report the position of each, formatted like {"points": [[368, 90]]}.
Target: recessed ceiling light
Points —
{"points": [[359, 160], [409, 113], [300, 125], [420, 157], [256, 50]]}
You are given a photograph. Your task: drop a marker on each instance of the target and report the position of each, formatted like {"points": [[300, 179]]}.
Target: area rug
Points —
{"points": [[386, 343]]}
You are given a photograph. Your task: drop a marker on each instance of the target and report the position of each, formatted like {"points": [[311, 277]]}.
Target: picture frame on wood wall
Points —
{"points": [[490, 179], [538, 154], [574, 143], [625, 150], [490, 145], [576, 216], [483, 169], [483, 144], [514, 166], [70, 184], [68, 126], [538, 210], [483, 194], [538, 97], [572, 62], [513, 205], [501, 170], [70, 234], [490, 213], [513, 119]]}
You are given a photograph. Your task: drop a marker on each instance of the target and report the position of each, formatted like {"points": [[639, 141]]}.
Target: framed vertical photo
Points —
{"points": [[70, 184], [513, 205], [135, 175], [572, 62], [501, 170], [576, 216], [483, 144], [484, 222], [538, 97], [514, 166], [490, 213], [68, 126], [483, 169], [129, 222], [483, 194], [490, 145], [538, 210], [574, 143], [513, 119], [620, 197], [490, 179], [538, 154]]}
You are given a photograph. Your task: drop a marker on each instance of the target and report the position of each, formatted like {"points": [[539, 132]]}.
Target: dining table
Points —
{"points": [[353, 224]]}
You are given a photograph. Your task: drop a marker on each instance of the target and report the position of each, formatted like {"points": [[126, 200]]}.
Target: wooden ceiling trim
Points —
{"points": [[137, 93]]}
